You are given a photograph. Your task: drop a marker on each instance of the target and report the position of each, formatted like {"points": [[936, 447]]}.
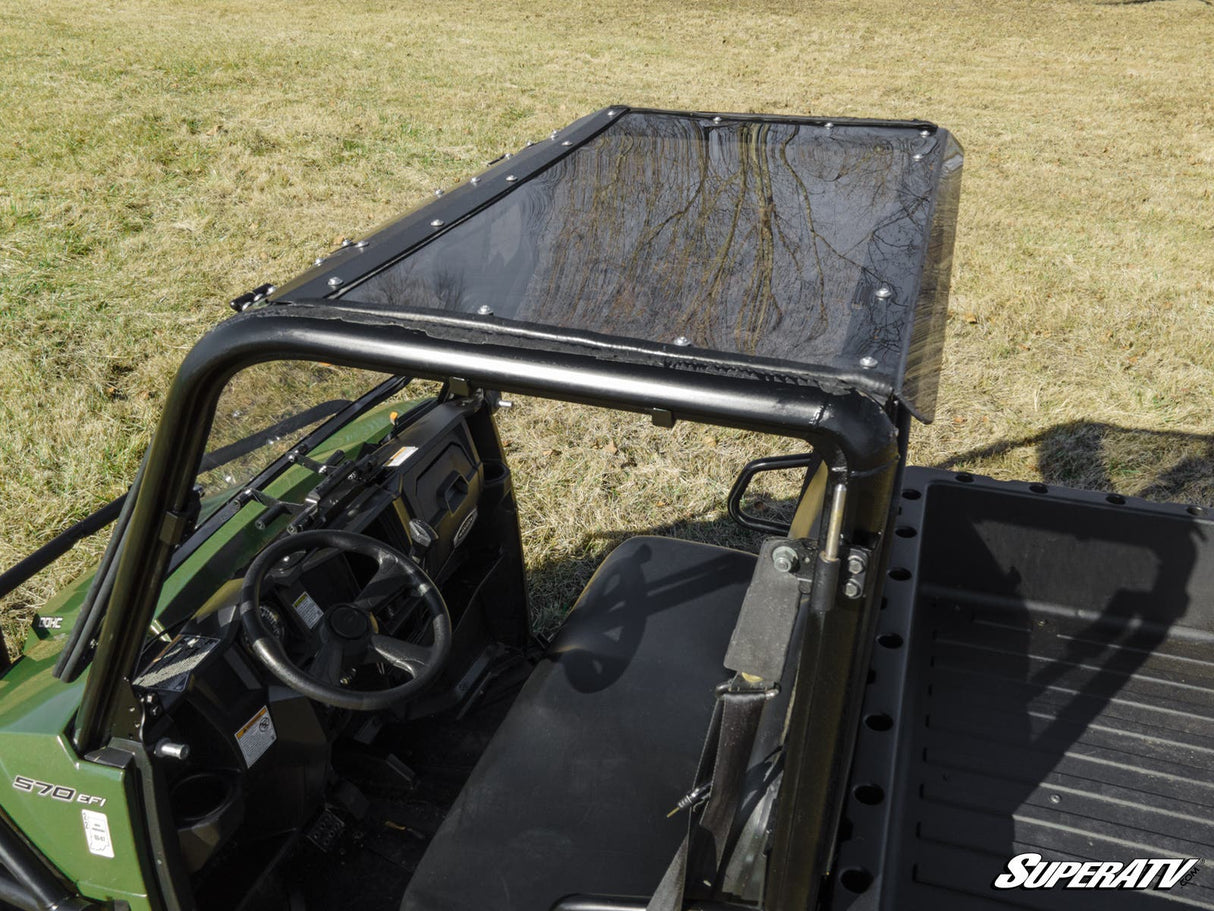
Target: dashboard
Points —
{"points": [[246, 762]]}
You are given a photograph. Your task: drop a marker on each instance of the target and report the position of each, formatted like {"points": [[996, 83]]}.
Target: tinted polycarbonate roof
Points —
{"points": [[791, 248]]}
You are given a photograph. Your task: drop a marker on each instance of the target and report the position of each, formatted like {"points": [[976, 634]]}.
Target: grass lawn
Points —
{"points": [[159, 158]]}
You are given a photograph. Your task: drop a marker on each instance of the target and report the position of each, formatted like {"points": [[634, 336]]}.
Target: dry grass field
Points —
{"points": [[161, 157]]}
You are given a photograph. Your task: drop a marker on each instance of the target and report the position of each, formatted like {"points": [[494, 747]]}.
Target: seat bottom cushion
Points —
{"points": [[572, 793]]}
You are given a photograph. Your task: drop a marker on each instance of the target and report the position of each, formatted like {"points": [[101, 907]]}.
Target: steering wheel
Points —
{"points": [[347, 630]]}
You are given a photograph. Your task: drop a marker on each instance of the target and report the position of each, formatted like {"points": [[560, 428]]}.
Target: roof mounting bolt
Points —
{"points": [[484, 310], [335, 282], [319, 261], [611, 112], [566, 143], [474, 181], [717, 119], [856, 564], [362, 244], [529, 144], [682, 341], [345, 241], [918, 156], [553, 134], [867, 362], [508, 156], [785, 559], [925, 133], [829, 125], [884, 293], [438, 191], [852, 589], [510, 178], [270, 289], [437, 223]]}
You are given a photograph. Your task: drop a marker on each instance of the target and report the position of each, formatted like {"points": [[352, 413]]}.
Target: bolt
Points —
{"points": [[345, 241], [852, 589], [529, 144], [716, 119], [829, 125], [334, 282], [484, 310], [438, 191], [362, 245], [611, 113], [885, 292], [682, 341], [925, 133], [868, 363], [566, 143], [166, 749], [552, 135], [856, 564], [510, 178], [784, 559], [474, 181], [437, 223], [319, 261], [918, 156]]}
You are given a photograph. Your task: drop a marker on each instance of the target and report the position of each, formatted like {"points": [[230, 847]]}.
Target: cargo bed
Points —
{"points": [[1042, 681]]}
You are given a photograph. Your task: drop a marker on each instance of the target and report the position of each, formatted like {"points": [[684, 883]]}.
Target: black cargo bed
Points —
{"points": [[1042, 682]]}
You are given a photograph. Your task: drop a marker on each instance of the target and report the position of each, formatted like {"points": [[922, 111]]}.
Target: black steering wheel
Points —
{"points": [[347, 631]]}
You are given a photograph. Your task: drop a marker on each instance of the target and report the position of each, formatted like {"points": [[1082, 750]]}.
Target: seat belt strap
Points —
{"points": [[713, 802]]}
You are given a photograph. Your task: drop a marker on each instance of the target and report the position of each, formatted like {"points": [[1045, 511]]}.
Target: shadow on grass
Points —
{"points": [[1160, 465]]}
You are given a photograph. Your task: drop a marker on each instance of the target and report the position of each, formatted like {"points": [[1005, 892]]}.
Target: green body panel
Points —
{"points": [[36, 709]]}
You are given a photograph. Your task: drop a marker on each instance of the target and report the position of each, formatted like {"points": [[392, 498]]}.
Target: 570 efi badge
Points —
{"points": [[55, 791]]}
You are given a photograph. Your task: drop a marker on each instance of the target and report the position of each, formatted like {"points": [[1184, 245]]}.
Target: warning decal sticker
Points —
{"points": [[309, 611], [256, 736]]}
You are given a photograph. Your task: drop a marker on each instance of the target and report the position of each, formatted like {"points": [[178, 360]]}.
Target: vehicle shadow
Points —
{"points": [[1160, 465]]}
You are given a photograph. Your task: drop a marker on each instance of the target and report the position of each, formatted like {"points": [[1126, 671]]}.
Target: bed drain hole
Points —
{"points": [[1116, 499], [1039, 488], [879, 722], [890, 640], [899, 574], [905, 531], [856, 879], [869, 794], [911, 494], [965, 477]]}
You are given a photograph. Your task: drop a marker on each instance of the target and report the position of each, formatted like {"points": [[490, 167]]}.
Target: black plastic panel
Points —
{"points": [[1043, 681]]}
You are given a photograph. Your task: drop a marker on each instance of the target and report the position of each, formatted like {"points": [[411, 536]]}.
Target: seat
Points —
{"points": [[573, 791]]}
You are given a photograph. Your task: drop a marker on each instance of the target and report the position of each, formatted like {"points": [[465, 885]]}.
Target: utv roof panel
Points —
{"points": [[794, 249]]}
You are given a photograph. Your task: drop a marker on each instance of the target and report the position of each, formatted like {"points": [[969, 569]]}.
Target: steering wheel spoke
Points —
{"points": [[329, 664], [405, 656], [387, 582]]}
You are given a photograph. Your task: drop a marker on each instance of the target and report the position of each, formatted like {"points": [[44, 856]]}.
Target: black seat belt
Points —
{"points": [[713, 802], [757, 653]]}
